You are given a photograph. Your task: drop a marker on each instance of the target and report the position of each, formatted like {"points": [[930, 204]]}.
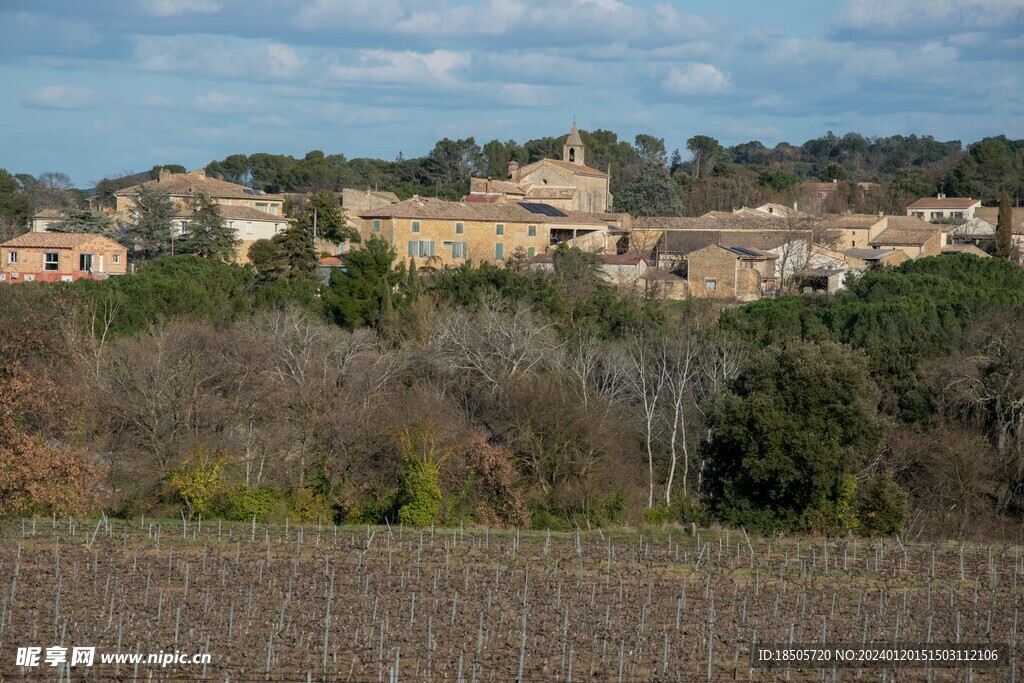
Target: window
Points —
{"points": [[12, 257], [710, 284], [958, 214], [117, 258], [85, 262], [50, 260], [936, 215], [376, 225], [853, 243], [499, 251], [531, 252], [572, 154], [415, 226], [421, 248], [183, 227], [460, 228], [531, 231], [30, 278], [459, 249], [499, 228]]}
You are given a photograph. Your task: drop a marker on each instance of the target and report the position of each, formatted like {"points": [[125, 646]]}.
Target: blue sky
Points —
{"points": [[109, 86]]}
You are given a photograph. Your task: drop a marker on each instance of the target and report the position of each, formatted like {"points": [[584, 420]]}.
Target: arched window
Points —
{"points": [[572, 154]]}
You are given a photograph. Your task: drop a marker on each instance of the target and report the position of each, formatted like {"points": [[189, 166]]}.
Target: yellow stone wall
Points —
{"points": [[480, 237]]}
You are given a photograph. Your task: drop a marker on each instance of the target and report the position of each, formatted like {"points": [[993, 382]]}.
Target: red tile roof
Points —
{"points": [[944, 203]]}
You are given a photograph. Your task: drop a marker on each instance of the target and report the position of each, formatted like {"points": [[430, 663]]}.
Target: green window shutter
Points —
{"points": [[413, 247], [531, 252], [499, 251], [431, 247]]}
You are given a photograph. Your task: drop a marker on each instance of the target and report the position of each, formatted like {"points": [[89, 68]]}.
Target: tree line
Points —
{"points": [[509, 396]]}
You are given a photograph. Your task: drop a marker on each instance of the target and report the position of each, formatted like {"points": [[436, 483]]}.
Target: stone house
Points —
{"points": [[253, 214], [60, 257], [913, 240], [860, 260], [943, 208], [441, 233], [721, 272]]}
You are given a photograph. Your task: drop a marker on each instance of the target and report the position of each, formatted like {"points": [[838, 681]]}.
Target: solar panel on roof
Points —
{"points": [[249, 191], [544, 209]]}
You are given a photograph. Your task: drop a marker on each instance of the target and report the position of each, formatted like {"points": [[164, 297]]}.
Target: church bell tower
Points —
{"points": [[573, 149]]}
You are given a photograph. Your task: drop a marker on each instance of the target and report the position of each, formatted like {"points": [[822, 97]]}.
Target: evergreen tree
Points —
{"points": [[295, 246], [324, 213], [149, 235], [1004, 228], [265, 256], [83, 220], [652, 193], [412, 282], [354, 296], [207, 234]]}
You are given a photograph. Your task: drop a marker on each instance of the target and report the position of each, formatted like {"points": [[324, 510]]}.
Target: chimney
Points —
{"points": [[513, 170], [488, 185], [794, 206], [835, 181], [163, 174]]}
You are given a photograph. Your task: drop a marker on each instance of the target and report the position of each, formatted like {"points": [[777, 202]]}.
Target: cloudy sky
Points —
{"points": [[100, 87]]}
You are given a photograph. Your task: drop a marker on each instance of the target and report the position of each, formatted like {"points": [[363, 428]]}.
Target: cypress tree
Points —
{"points": [[1004, 228]]}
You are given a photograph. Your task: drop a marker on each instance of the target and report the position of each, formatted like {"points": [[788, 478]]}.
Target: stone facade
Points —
{"points": [[720, 273], [60, 257], [566, 183]]}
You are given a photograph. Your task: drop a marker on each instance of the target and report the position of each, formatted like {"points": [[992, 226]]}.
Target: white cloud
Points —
{"points": [[910, 16], [228, 58], [696, 79], [385, 66], [61, 97], [571, 21], [173, 8], [216, 102]]}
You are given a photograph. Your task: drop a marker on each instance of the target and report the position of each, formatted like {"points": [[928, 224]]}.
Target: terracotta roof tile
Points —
{"points": [[54, 240], [944, 203], [197, 182]]}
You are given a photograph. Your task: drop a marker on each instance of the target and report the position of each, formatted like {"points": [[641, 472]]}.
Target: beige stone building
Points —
{"points": [[721, 272], [913, 237], [440, 233], [60, 257], [251, 213], [567, 183]]}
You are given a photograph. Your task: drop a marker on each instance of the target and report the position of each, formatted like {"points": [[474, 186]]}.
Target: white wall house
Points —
{"points": [[941, 208]]}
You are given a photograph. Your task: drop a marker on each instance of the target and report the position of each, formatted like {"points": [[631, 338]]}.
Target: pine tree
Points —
{"points": [[1004, 228], [324, 211], [149, 235], [207, 234], [85, 221], [296, 248]]}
